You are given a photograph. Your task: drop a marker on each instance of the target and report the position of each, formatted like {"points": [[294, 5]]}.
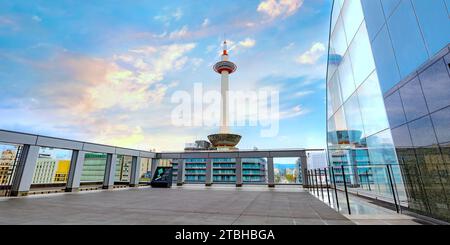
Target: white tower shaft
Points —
{"points": [[224, 92]]}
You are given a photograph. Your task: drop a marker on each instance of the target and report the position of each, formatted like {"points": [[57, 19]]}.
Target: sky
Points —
{"points": [[105, 71]]}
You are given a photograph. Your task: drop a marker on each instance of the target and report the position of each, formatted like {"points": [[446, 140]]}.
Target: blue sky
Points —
{"points": [[105, 71]]}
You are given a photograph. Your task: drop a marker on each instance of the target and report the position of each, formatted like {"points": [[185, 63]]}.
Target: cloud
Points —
{"points": [[303, 93], [106, 100], [183, 32], [168, 18], [279, 8], [37, 18], [247, 43], [295, 111], [177, 14], [311, 56], [206, 22]]}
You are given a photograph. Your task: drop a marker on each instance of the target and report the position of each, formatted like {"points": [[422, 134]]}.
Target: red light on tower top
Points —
{"points": [[225, 49]]}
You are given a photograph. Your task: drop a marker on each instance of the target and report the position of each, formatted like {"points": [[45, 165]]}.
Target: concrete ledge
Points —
{"points": [[72, 189], [110, 187]]}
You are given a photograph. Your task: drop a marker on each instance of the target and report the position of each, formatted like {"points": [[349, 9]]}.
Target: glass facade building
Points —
{"points": [[388, 96]]}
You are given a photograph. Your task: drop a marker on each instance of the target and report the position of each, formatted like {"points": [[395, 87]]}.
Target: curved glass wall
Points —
{"points": [[358, 128]]}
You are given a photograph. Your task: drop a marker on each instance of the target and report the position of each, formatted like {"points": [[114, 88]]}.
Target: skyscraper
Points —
{"points": [[388, 96]]}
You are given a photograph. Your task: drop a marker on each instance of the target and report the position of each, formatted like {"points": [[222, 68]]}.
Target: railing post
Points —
{"points": [[308, 175], [270, 172], [110, 172], [180, 173], [321, 186], [238, 172], [346, 191], [335, 188], [327, 186], [316, 182], [391, 183], [368, 180], [304, 169], [209, 172], [135, 171], [24, 173], [313, 183], [75, 171]]}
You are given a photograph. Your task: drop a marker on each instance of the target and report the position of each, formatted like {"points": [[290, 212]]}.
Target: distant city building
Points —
{"points": [[145, 170], [224, 170], [94, 167], [45, 169], [316, 160], [7, 160], [123, 166], [62, 171]]}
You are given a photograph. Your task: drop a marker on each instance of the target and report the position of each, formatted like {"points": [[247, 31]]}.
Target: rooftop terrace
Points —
{"points": [[186, 205]]}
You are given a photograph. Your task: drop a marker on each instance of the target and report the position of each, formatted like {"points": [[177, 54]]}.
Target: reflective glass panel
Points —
{"points": [[394, 109], [361, 56], [441, 122], [401, 137], [385, 60], [372, 106], [335, 93], [434, 22], [346, 78], [353, 17], [389, 6], [435, 82], [413, 100], [422, 132], [373, 14], [353, 115], [381, 148], [338, 40], [407, 41]]}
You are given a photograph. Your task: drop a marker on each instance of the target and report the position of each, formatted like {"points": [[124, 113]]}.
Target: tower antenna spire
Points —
{"points": [[225, 47]]}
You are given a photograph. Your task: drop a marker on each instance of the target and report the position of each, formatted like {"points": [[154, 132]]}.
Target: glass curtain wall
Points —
{"points": [[410, 43], [358, 127]]}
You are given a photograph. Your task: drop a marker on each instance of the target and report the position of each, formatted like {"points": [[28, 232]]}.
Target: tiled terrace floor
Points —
{"points": [[185, 206]]}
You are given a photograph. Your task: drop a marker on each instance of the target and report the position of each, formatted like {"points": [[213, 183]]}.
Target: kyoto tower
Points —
{"points": [[224, 140]]}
